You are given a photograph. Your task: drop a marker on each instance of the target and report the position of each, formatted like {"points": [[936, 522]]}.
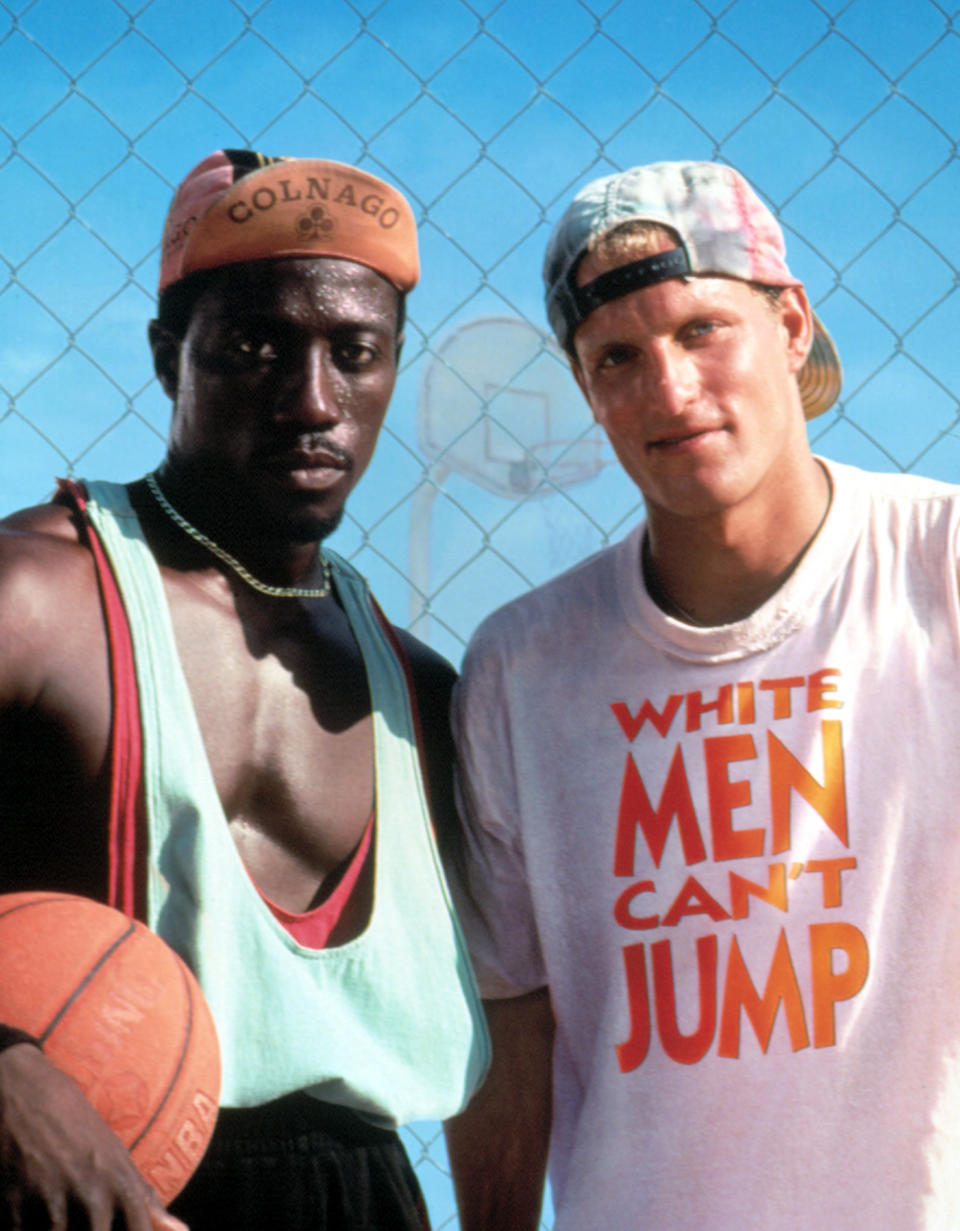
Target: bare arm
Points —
{"points": [[60, 1164], [498, 1146], [55, 716]]}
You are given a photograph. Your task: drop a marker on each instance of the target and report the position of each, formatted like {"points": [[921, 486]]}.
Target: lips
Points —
{"points": [[684, 439], [309, 467], [311, 459]]}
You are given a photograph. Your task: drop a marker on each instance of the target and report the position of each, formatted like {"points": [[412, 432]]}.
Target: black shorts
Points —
{"points": [[299, 1164]]}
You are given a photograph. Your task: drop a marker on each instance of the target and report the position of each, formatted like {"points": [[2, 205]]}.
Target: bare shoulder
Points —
{"points": [[56, 520], [47, 586], [41, 556], [55, 707]]}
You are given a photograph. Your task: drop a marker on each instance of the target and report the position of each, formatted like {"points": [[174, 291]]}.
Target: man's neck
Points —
{"points": [[720, 568], [205, 543]]}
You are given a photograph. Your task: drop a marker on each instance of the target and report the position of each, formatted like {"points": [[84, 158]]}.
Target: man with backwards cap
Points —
{"points": [[279, 835], [710, 777]]}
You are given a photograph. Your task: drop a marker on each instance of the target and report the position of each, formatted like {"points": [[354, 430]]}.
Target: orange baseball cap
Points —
{"points": [[237, 205]]}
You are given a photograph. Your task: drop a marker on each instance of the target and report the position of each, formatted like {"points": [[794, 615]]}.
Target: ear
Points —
{"points": [[166, 357], [796, 316]]}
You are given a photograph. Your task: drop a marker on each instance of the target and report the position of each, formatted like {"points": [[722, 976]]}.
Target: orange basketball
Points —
{"points": [[119, 1011]]}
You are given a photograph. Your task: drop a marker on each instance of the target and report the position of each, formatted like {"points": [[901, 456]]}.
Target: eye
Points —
{"points": [[253, 348], [614, 356], [353, 355], [240, 349], [700, 329]]}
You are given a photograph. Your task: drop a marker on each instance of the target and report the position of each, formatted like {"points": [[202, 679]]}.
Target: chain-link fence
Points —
{"points": [[488, 113]]}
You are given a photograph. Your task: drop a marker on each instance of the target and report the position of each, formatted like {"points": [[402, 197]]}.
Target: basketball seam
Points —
{"points": [[54, 897], [85, 981], [178, 1067]]}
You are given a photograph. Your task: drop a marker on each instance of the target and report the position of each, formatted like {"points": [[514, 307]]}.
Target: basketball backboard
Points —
{"points": [[498, 405]]}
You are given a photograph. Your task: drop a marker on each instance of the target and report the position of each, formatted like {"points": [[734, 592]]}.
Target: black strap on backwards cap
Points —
{"points": [[626, 278]]}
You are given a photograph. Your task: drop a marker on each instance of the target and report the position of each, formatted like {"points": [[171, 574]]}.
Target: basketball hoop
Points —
{"points": [[498, 405]]}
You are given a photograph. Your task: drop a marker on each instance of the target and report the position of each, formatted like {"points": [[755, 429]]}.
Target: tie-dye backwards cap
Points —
{"points": [[237, 205], [724, 228]]}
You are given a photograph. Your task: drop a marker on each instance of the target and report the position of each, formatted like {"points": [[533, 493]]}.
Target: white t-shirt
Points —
{"points": [[734, 856]]}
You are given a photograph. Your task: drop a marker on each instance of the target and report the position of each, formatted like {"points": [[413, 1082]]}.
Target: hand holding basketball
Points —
{"points": [[58, 1157], [129, 1076]]}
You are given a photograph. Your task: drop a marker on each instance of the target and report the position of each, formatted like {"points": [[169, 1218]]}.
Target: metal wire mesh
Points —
{"points": [[488, 113]]}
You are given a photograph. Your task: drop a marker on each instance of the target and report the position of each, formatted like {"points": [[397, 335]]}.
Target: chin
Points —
{"points": [[690, 500], [313, 527]]}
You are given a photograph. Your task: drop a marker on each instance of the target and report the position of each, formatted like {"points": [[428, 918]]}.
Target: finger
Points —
{"points": [[144, 1212], [162, 1220]]}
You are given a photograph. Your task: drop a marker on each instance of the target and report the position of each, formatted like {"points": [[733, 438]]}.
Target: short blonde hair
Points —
{"points": [[641, 237], [633, 240]]}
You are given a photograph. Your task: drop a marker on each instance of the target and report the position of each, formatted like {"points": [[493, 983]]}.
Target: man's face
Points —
{"points": [[694, 383], [281, 384]]}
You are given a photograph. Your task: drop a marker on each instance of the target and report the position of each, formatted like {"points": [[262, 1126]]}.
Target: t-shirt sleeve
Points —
{"points": [[492, 890]]}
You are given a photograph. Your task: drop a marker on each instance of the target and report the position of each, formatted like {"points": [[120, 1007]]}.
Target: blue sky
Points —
{"points": [[489, 115]]}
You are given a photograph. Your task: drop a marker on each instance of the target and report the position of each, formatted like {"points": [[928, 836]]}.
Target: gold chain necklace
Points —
{"points": [[260, 586]]}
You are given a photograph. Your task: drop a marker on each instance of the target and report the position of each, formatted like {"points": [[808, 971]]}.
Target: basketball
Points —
{"points": [[116, 1009]]}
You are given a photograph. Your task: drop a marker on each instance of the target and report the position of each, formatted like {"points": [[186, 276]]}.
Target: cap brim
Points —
{"points": [[821, 377]]}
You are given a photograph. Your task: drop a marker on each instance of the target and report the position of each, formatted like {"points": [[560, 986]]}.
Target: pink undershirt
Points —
{"points": [[312, 928]]}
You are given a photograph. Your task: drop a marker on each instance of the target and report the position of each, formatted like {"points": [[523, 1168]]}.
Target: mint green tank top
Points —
{"points": [[388, 1024]]}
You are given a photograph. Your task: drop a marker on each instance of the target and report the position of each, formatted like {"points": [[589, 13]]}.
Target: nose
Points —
{"points": [[314, 397], [672, 377]]}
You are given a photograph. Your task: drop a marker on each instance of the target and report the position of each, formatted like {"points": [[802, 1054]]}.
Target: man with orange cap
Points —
{"points": [[709, 776], [208, 723]]}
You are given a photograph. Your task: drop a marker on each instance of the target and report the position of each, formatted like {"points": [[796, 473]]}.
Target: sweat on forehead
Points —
{"points": [[254, 289], [237, 206]]}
